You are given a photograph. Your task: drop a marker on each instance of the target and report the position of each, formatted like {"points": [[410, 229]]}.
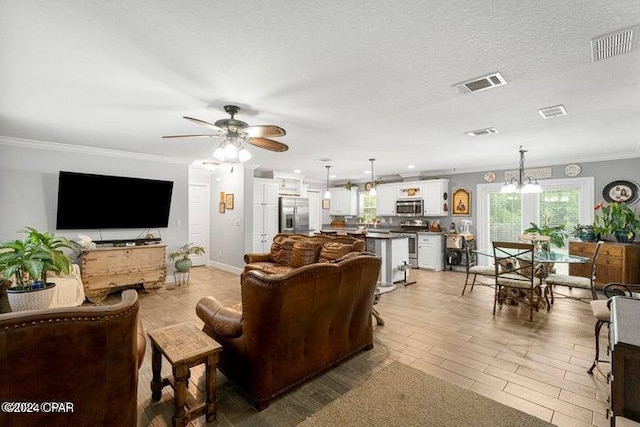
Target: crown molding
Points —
{"points": [[94, 151]]}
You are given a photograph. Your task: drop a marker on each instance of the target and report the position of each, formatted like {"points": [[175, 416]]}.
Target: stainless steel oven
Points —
{"points": [[409, 207], [413, 246]]}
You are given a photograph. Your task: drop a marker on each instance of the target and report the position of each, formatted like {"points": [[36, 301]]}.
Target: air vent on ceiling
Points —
{"points": [[616, 43], [481, 83], [551, 112], [487, 131]]}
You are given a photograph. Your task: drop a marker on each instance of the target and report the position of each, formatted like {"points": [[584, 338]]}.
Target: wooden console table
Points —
{"points": [[184, 346], [616, 263], [108, 268]]}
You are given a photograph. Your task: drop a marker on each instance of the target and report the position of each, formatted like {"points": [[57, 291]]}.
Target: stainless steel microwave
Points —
{"points": [[410, 207]]}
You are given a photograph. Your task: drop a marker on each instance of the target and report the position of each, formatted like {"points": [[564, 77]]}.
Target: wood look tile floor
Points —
{"points": [[538, 367]]}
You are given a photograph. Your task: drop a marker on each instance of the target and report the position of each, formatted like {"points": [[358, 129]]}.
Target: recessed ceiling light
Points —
{"points": [[367, 172], [297, 171], [332, 176], [486, 131], [411, 167]]}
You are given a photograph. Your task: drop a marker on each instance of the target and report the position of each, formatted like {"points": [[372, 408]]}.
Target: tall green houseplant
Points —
{"points": [[556, 233], [616, 219]]}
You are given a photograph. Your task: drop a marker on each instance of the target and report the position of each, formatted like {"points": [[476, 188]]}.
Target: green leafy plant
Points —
{"points": [[185, 251], [556, 233], [349, 185], [615, 217], [29, 260]]}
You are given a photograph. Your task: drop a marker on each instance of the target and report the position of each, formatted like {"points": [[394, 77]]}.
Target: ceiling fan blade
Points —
{"points": [[268, 144], [203, 123], [207, 135], [264, 131]]}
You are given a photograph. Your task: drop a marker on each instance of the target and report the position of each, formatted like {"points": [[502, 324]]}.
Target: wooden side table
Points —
{"points": [[184, 346]]}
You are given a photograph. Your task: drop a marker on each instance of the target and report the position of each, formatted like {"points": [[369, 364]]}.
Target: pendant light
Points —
{"points": [[372, 192], [520, 185], [327, 193]]}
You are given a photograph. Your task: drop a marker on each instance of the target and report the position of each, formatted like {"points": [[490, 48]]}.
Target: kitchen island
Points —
{"points": [[394, 251]]}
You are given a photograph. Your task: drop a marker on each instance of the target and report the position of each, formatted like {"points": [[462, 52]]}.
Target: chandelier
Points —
{"points": [[232, 149], [521, 184], [327, 193]]}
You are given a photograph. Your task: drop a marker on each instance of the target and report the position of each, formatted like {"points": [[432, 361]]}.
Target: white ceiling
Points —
{"points": [[347, 80]]}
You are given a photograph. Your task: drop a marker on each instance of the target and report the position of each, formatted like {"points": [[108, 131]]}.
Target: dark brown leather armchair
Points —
{"points": [[293, 326], [87, 356]]}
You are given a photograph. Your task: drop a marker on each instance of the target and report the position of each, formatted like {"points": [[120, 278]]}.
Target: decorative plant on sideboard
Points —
{"points": [[617, 219], [27, 261], [182, 254]]}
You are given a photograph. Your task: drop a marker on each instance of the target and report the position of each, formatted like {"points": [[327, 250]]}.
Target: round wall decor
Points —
{"points": [[621, 191], [572, 170], [489, 176]]}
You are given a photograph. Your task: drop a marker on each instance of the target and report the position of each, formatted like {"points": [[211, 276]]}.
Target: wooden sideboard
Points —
{"points": [[109, 268], [617, 262], [624, 342]]}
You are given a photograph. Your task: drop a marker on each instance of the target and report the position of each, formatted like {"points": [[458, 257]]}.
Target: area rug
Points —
{"points": [[400, 395]]}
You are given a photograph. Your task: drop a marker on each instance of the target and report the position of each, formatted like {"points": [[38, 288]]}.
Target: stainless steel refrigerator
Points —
{"points": [[294, 215]]}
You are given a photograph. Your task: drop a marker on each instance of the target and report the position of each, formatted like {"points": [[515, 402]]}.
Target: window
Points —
{"points": [[502, 217], [367, 206]]}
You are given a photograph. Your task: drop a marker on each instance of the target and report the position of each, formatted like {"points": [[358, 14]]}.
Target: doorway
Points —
{"points": [[199, 216]]}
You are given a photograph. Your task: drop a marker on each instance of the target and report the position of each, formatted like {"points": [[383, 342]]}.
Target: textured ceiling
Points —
{"points": [[347, 80]]}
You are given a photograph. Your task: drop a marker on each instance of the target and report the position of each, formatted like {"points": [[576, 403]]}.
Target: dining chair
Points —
{"points": [[473, 269], [516, 275], [580, 282], [600, 311]]}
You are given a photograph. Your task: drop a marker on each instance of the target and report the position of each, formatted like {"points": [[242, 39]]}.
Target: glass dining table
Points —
{"points": [[547, 259]]}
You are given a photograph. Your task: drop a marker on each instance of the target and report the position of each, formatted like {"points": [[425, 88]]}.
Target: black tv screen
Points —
{"points": [[87, 201]]}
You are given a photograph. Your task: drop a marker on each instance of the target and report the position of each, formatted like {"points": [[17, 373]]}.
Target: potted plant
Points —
{"points": [[584, 232], [556, 233], [618, 219], [183, 262], [27, 261]]}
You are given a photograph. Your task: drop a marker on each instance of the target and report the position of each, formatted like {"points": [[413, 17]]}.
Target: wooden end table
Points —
{"points": [[184, 346]]}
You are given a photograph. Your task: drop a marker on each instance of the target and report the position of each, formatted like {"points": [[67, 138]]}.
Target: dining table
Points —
{"points": [[546, 258]]}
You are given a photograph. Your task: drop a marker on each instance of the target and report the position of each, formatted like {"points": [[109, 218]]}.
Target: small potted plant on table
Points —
{"points": [[617, 219], [27, 261]]}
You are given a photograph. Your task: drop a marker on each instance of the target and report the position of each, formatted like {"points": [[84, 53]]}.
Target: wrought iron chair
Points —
{"points": [[473, 269], [580, 282], [600, 310], [516, 275]]}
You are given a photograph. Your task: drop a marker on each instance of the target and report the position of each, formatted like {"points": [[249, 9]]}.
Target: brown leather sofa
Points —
{"points": [[87, 356], [290, 327], [291, 251]]}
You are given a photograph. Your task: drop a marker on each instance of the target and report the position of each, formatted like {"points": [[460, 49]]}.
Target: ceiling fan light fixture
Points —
{"points": [[244, 155], [219, 154]]}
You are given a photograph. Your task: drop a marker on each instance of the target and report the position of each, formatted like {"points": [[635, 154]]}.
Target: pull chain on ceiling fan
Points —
{"points": [[235, 134]]}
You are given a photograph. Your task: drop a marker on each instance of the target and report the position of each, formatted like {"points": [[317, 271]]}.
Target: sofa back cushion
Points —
{"points": [[332, 250], [282, 250], [305, 252]]}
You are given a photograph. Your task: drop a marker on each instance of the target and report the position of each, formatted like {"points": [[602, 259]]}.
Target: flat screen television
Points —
{"points": [[88, 201]]}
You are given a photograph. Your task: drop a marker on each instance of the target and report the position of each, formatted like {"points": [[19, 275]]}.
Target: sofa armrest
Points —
{"points": [[255, 257], [223, 320]]}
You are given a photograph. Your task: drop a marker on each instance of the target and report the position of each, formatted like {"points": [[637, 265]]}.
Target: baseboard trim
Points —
{"points": [[225, 267]]}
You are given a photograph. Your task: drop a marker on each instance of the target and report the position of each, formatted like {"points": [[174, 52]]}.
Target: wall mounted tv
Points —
{"points": [[87, 201]]}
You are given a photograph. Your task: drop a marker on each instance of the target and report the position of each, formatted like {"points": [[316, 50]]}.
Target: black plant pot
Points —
{"points": [[624, 236]]}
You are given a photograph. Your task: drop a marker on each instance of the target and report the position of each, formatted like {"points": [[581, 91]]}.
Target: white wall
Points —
{"points": [[29, 186]]}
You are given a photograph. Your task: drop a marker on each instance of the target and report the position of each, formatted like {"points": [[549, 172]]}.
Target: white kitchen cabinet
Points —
{"points": [[265, 214], [343, 201], [434, 197], [409, 190], [430, 251], [386, 196]]}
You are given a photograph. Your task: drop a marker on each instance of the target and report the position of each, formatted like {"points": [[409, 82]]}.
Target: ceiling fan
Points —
{"points": [[235, 133]]}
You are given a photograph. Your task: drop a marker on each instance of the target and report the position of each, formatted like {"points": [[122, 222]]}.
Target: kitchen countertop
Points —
{"points": [[374, 235]]}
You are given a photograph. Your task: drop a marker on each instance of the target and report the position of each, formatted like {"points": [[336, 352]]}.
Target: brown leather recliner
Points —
{"points": [[290, 327], [86, 356]]}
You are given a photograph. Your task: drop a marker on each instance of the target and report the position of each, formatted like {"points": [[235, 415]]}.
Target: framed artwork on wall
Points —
{"points": [[229, 200], [461, 202], [621, 191], [222, 196], [221, 207], [325, 203]]}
